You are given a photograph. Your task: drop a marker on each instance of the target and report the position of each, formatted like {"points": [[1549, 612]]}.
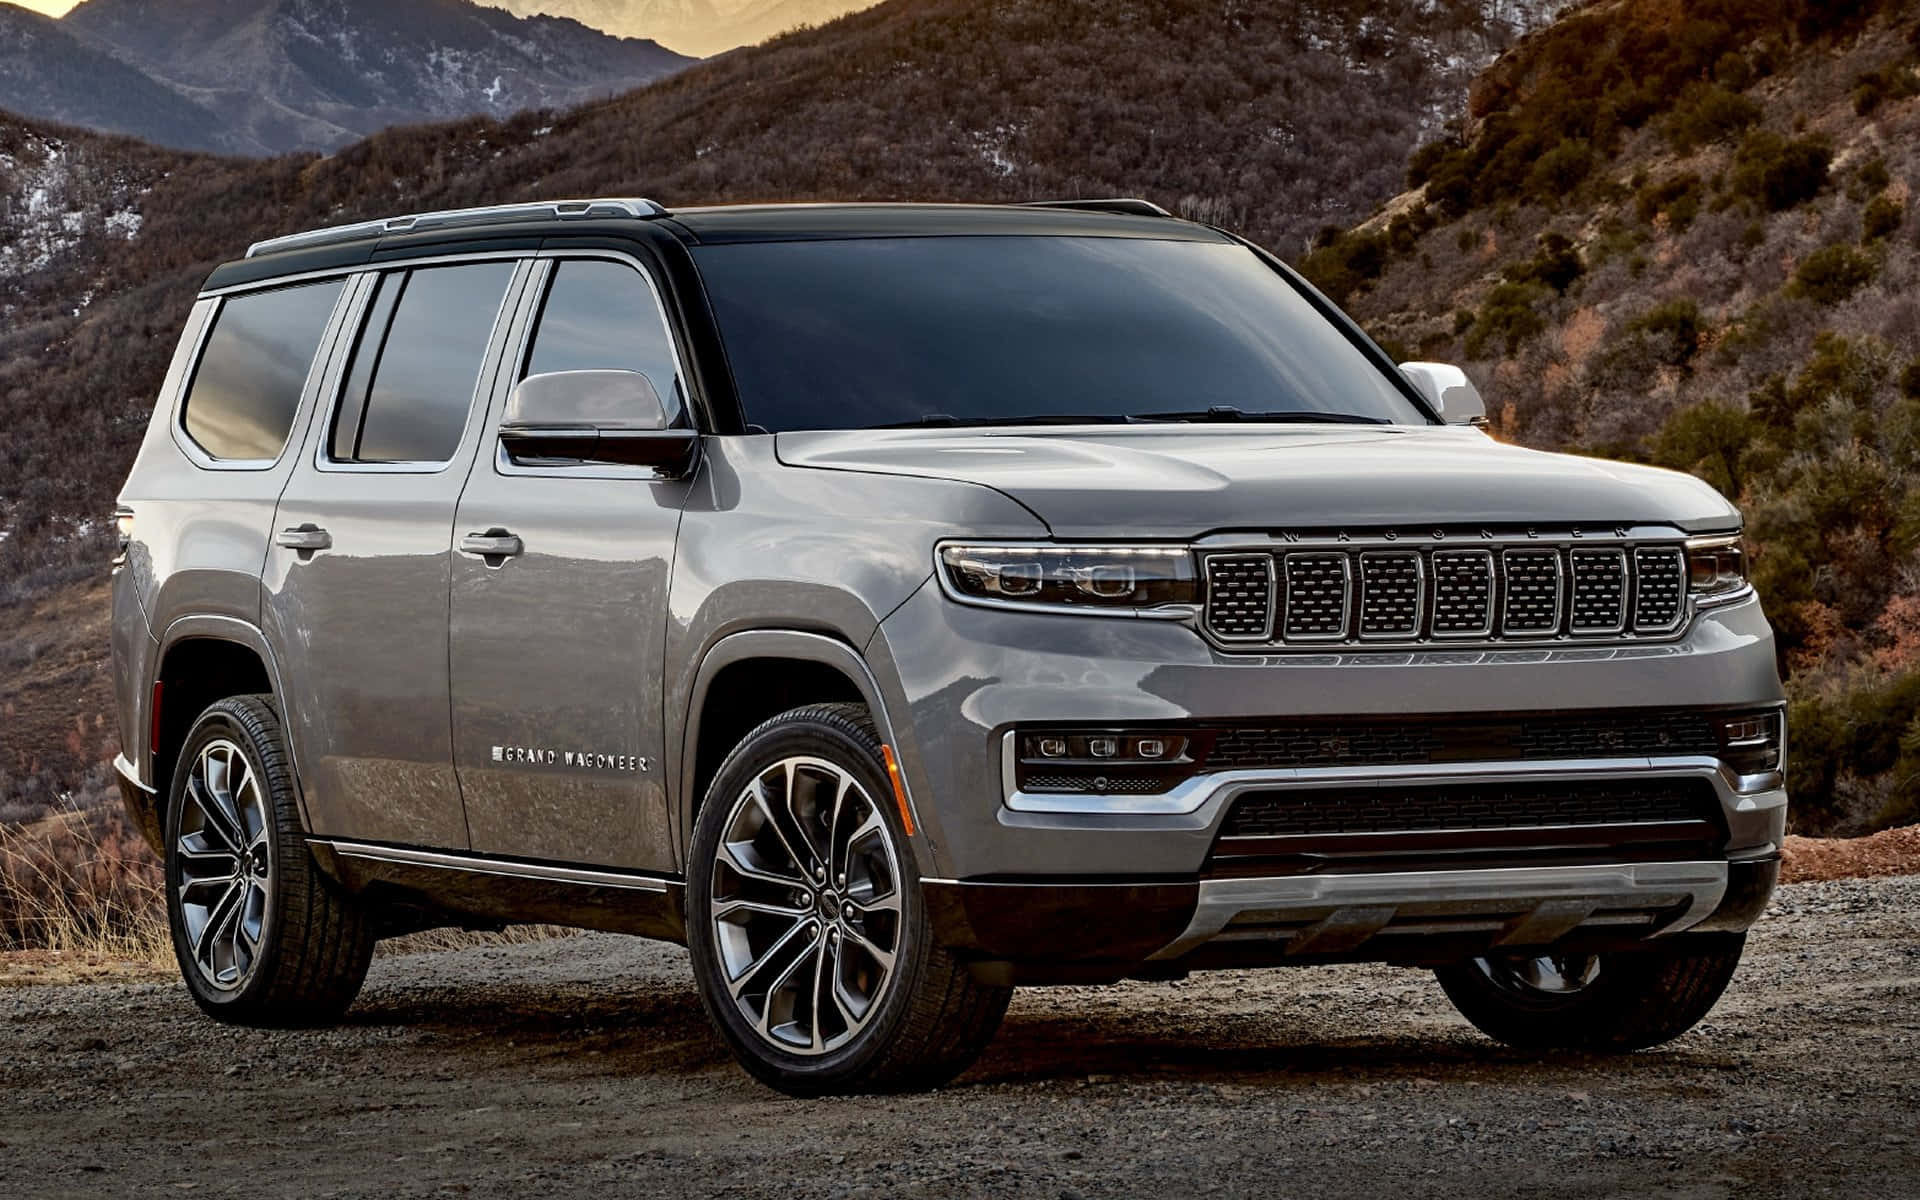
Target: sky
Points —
{"points": [[52, 8]]}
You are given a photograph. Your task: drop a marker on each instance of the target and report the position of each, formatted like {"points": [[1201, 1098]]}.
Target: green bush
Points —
{"points": [[1509, 316], [1710, 440], [1871, 89], [1559, 171], [1870, 180], [1678, 197], [1708, 114], [1675, 327], [1832, 274], [1910, 380], [1864, 731], [1880, 218], [1347, 262], [1780, 173], [1556, 265]]}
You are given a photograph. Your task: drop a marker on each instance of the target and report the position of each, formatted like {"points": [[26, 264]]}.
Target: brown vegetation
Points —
{"points": [[1725, 285]]}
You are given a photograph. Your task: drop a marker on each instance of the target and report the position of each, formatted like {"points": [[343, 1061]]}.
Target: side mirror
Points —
{"points": [[568, 417], [1449, 390]]}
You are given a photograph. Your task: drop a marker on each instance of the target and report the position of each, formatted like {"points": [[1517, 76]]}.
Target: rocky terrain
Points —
{"points": [[585, 1065]]}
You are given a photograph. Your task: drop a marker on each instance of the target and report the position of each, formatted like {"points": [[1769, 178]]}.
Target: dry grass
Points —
{"points": [[79, 882]]}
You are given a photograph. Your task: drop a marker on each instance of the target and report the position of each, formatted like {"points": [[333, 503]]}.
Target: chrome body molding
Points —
{"points": [[505, 868], [1533, 905]]}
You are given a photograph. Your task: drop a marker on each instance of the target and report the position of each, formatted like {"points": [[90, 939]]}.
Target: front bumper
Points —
{"points": [[1098, 884]]}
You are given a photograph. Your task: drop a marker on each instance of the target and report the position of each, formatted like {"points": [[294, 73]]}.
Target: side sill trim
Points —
{"points": [[580, 876], [132, 776]]}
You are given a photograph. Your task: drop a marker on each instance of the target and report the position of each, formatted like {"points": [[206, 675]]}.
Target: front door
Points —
{"points": [[559, 605], [357, 579]]}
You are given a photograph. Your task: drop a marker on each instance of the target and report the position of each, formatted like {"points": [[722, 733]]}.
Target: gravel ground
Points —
{"points": [[585, 1065]]}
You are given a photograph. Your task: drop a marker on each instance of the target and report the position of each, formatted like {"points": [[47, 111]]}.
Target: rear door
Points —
{"points": [[357, 577], [557, 648]]}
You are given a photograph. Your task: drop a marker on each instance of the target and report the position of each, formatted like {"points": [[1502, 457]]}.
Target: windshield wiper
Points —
{"points": [[948, 420], [1227, 412]]}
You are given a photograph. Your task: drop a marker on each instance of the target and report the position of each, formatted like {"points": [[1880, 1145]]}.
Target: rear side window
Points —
{"points": [[601, 316], [417, 364], [253, 369]]}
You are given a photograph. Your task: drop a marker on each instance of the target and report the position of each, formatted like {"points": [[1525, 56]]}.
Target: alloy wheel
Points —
{"points": [[806, 917], [225, 856]]}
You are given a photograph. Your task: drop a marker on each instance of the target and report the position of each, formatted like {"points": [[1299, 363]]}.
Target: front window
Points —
{"points": [[877, 332]]}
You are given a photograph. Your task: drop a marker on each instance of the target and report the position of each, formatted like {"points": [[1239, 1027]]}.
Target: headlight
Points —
{"points": [[1716, 567], [1112, 578]]}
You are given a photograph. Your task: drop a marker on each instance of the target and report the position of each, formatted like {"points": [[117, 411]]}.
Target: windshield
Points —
{"points": [[859, 333]]}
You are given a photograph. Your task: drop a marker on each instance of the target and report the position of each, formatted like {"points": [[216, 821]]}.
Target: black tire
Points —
{"points": [[313, 944], [1634, 1000], [930, 1020]]}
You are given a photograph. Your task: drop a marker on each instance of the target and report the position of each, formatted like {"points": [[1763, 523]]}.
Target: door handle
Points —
{"points": [[494, 543], [305, 538]]}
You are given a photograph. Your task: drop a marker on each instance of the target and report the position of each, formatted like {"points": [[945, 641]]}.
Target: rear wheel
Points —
{"points": [[1613, 1001], [262, 938], [809, 937]]}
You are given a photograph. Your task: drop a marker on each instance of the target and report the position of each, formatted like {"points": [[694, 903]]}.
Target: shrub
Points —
{"points": [[1871, 179], [1778, 172], [1880, 218], [1707, 114], [1675, 327], [1421, 164], [1679, 198], [1710, 440], [1556, 266], [1910, 380], [1832, 274], [1347, 263], [1873, 88], [1509, 315], [1560, 170]]}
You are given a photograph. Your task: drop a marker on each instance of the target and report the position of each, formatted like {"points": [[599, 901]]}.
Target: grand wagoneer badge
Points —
{"points": [[540, 756]]}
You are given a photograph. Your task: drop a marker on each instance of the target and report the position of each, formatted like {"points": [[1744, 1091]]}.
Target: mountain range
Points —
{"points": [[268, 76], [701, 27]]}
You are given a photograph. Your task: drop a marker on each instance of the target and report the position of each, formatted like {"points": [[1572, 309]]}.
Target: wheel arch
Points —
{"points": [[203, 659], [731, 695]]}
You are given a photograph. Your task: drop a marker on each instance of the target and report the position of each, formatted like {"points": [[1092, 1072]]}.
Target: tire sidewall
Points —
{"points": [[788, 736], [223, 721]]}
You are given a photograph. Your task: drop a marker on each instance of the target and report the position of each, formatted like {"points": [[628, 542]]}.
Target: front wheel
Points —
{"points": [[1607, 1002], [809, 937]]}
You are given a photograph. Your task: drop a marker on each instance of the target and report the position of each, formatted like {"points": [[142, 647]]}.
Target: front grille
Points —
{"points": [[1412, 595], [1471, 806], [1385, 742]]}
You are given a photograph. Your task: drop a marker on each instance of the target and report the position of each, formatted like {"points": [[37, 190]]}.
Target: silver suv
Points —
{"points": [[897, 604]]}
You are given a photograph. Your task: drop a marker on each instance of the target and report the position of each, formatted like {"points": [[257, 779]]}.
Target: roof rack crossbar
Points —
{"points": [[499, 214], [1125, 205]]}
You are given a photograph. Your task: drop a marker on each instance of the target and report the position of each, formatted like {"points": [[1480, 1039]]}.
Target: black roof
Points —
{"points": [[520, 228]]}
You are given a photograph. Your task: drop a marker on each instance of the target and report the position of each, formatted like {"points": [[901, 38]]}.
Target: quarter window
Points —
{"points": [[417, 364], [600, 316], [253, 369]]}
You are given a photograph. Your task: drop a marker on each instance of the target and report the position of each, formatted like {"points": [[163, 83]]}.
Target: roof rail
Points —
{"points": [[499, 214], [1125, 205]]}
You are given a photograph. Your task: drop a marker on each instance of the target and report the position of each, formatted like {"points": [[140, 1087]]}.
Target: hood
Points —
{"points": [[1182, 482]]}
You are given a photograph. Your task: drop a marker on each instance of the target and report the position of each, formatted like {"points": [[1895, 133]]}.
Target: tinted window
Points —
{"points": [[254, 367], [883, 331], [602, 316], [418, 362]]}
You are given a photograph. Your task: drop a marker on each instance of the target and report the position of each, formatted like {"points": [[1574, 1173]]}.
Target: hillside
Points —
{"points": [[46, 69], [1685, 234], [1276, 119], [267, 76], [692, 26]]}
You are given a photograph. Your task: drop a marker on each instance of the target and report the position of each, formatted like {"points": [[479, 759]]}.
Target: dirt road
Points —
{"points": [[584, 1066]]}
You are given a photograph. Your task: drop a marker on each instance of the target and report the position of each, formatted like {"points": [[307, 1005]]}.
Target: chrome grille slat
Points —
{"points": [[1513, 589]]}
